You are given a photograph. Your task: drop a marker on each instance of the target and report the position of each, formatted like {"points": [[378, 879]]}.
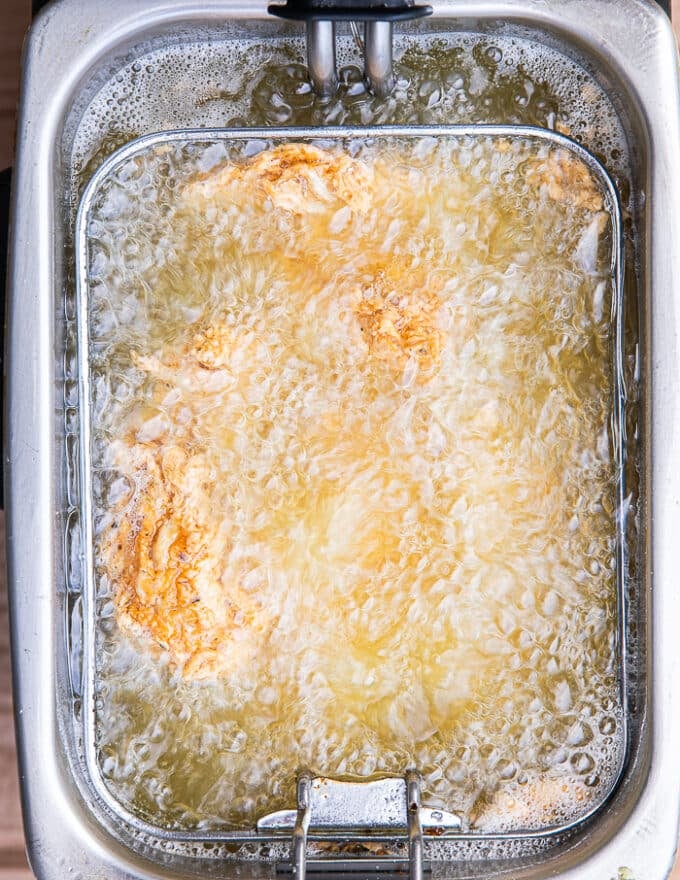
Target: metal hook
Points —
{"points": [[302, 822], [378, 57], [321, 61], [415, 828]]}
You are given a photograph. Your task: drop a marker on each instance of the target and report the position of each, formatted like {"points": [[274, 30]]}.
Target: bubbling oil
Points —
{"points": [[442, 78], [435, 549]]}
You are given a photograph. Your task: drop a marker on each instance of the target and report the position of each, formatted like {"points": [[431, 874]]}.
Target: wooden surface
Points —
{"points": [[14, 19], [14, 16]]}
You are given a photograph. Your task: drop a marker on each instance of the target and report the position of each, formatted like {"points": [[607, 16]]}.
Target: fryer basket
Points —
{"points": [[302, 821]]}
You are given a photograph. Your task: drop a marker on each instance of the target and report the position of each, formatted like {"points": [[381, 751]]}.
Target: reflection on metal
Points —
{"points": [[302, 822], [321, 61], [378, 805], [415, 828], [376, 46], [378, 57]]}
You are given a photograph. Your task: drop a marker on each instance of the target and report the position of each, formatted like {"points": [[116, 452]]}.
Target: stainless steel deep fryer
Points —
{"points": [[75, 53]]}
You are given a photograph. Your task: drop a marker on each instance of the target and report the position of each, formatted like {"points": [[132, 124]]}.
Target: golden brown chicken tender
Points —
{"points": [[298, 178], [167, 559]]}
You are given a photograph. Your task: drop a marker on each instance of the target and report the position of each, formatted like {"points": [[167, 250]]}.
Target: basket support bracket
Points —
{"points": [[374, 815]]}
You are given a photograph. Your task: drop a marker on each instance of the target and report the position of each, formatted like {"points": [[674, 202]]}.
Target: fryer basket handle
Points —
{"points": [[350, 10], [354, 10]]}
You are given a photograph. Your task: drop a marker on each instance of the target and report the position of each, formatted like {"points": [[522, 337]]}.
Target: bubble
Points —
{"points": [[607, 726], [507, 769], [454, 80], [109, 766], [579, 734], [582, 763]]}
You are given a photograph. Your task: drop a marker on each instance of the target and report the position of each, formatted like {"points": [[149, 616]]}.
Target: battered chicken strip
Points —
{"points": [[167, 560], [299, 178], [566, 179]]}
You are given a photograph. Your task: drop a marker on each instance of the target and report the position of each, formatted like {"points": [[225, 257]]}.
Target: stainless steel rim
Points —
{"points": [[334, 135]]}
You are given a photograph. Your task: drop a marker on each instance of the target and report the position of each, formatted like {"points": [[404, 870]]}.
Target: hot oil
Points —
{"points": [[420, 543], [447, 78]]}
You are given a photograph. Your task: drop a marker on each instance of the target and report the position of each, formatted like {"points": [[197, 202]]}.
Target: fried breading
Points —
{"points": [[298, 178], [398, 315], [167, 559], [566, 179]]}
